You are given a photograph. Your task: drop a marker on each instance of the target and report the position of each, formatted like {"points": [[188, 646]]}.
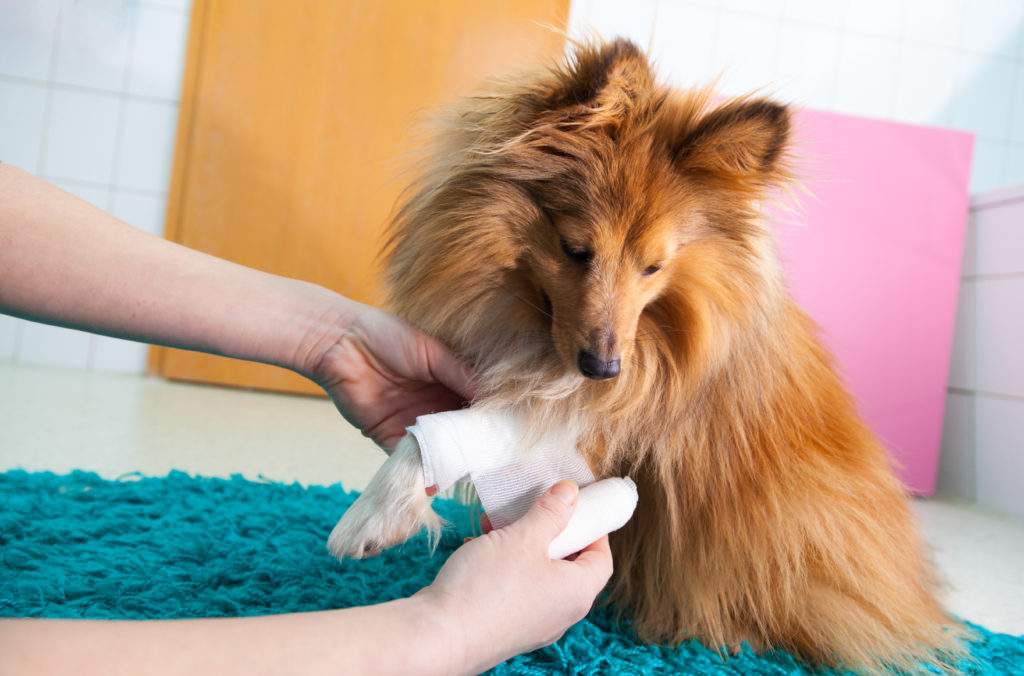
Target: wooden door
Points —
{"points": [[294, 120]]}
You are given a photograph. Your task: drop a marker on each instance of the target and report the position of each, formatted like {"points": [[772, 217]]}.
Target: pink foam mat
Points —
{"points": [[874, 255]]}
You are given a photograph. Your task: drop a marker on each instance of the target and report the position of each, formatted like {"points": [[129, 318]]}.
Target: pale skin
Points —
{"points": [[65, 262]]}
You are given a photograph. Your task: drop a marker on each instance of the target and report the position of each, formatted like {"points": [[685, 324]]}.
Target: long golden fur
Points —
{"points": [[587, 209]]}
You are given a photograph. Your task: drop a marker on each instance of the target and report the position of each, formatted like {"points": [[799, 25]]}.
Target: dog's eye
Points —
{"points": [[575, 253], [651, 269]]}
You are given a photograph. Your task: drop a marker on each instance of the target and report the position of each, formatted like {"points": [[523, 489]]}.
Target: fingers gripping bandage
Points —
{"points": [[510, 470]]}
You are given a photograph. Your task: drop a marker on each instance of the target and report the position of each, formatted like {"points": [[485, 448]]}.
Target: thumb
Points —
{"points": [[448, 370], [550, 513]]}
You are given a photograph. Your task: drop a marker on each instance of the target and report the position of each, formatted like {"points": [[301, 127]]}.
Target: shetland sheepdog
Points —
{"points": [[592, 244]]}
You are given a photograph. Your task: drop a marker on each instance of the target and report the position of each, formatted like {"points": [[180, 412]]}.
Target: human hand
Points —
{"points": [[382, 373], [500, 593]]}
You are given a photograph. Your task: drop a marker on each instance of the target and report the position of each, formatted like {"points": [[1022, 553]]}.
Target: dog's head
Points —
{"points": [[590, 205], [629, 178]]}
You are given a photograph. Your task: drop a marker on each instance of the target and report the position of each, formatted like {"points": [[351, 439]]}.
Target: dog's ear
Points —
{"points": [[602, 77], [738, 139]]}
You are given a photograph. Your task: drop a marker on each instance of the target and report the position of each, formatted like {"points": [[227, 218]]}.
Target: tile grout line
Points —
{"points": [[966, 392], [992, 277], [83, 89]]}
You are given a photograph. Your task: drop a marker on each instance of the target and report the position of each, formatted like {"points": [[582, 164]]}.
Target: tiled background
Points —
{"points": [[950, 63], [983, 438], [89, 93]]}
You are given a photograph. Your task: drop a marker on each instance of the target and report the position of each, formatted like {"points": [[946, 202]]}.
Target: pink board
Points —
{"points": [[875, 258]]}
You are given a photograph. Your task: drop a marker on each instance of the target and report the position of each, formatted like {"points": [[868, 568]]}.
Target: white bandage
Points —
{"points": [[602, 507], [491, 450], [510, 469]]}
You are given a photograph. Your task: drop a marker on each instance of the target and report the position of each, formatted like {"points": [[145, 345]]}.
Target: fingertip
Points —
{"points": [[552, 510], [566, 490], [597, 556], [447, 369], [601, 546]]}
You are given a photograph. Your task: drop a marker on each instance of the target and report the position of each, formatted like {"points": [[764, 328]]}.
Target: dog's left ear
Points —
{"points": [[742, 139]]}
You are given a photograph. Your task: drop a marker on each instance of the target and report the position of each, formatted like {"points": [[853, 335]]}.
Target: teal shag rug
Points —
{"points": [[78, 546]]}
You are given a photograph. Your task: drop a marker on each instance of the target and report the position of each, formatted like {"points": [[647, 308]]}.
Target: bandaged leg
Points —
{"points": [[492, 450], [510, 470]]}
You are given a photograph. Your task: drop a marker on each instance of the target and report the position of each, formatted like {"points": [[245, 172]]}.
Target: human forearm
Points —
{"points": [[64, 262], [399, 637]]}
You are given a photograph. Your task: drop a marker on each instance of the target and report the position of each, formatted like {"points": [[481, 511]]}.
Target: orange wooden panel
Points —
{"points": [[294, 121]]}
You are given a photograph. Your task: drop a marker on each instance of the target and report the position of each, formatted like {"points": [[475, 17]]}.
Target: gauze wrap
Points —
{"points": [[491, 450], [511, 469]]}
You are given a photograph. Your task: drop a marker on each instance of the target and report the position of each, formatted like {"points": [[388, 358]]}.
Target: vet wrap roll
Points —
{"points": [[510, 470], [603, 507]]}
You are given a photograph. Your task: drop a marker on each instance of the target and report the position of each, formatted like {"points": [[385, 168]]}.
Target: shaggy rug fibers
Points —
{"points": [[178, 546]]}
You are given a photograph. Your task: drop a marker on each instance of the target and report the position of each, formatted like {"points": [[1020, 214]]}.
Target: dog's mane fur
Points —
{"points": [[768, 512]]}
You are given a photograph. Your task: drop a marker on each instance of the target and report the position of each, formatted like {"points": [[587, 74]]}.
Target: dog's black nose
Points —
{"points": [[595, 368]]}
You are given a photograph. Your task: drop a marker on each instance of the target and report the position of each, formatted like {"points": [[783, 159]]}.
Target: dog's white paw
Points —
{"points": [[393, 508]]}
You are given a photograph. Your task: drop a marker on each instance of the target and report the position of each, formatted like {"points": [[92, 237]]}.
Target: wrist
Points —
{"points": [[444, 644], [451, 644], [320, 325]]}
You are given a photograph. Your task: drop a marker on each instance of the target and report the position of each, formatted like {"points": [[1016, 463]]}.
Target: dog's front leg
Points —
{"points": [[392, 509]]}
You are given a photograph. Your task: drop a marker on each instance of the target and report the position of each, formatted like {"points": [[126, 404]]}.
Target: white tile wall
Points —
{"points": [[999, 334], [28, 32], [956, 460], [746, 48], [930, 23], [612, 17], [1015, 163], [22, 118], [143, 210], [883, 18], [999, 241], [155, 69], [983, 437], [991, 80], [924, 77], [116, 355], [89, 93], [147, 145], [81, 136], [814, 52], [686, 56], [955, 63], [865, 76], [92, 45], [42, 344], [993, 28], [962, 368], [999, 453]]}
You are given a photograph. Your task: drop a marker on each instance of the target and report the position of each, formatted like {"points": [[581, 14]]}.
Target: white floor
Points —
{"points": [[59, 420]]}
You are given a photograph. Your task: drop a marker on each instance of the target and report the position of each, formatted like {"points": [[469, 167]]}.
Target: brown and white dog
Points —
{"points": [[591, 243]]}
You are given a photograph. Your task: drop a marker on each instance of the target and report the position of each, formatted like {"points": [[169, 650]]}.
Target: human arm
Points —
{"points": [[67, 263], [497, 596]]}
